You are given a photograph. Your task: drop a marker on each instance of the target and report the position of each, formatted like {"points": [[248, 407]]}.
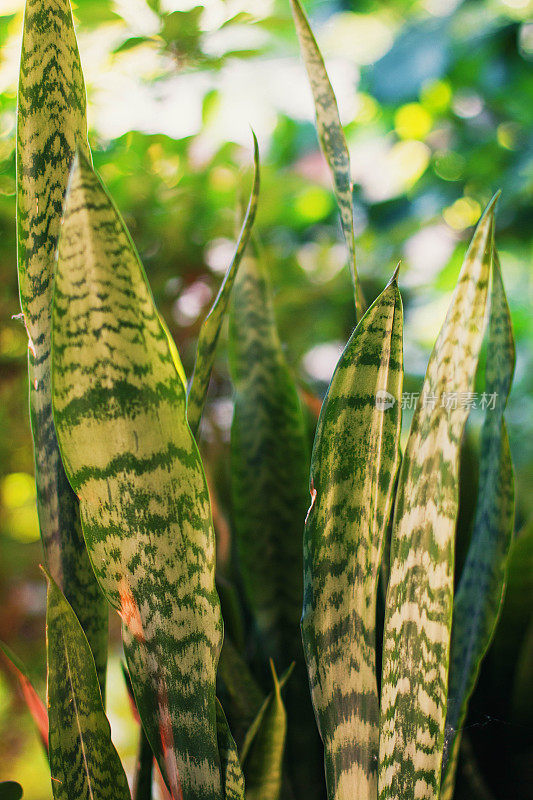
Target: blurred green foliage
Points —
{"points": [[437, 100]]}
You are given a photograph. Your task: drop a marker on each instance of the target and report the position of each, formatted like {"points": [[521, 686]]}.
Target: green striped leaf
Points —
{"points": [[232, 777], [269, 479], [353, 469], [420, 592], [120, 414], [83, 761], [263, 749], [31, 697], [480, 592], [331, 137], [210, 331], [51, 125], [269, 461]]}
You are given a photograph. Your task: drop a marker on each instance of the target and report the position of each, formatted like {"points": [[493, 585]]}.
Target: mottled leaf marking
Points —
{"points": [[331, 137], [51, 125], [353, 470], [269, 479], [264, 746], [210, 331], [120, 414], [83, 761], [232, 777], [269, 460], [479, 596], [420, 591]]}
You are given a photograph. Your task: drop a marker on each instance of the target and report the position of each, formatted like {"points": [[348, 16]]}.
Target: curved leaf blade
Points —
{"points": [[479, 596], [51, 124], [331, 138], [420, 591], [120, 413], [353, 470], [210, 331], [83, 760]]}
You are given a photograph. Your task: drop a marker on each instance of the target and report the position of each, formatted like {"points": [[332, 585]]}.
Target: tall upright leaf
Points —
{"points": [[51, 125], [331, 137], [481, 588], [269, 463], [83, 761], [418, 611], [269, 459], [353, 470], [120, 414], [210, 331]]}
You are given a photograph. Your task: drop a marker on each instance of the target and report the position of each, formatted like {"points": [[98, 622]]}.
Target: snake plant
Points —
{"points": [[125, 511]]}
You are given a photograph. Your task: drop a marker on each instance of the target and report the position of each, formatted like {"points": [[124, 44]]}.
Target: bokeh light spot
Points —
{"points": [[436, 96], [412, 121], [462, 214], [313, 204], [17, 492]]}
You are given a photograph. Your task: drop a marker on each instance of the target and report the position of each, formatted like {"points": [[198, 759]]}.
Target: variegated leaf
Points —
{"points": [[51, 125], [480, 592], [210, 331], [269, 478], [232, 777], [331, 137], [269, 459], [420, 591], [83, 761], [120, 414], [263, 749], [353, 470]]}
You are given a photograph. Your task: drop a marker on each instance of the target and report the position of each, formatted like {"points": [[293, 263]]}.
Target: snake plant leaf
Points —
{"points": [[10, 790], [269, 459], [263, 749], [244, 696], [51, 125], [83, 761], [353, 470], [232, 777], [31, 697], [418, 610], [269, 480], [331, 137], [120, 414], [210, 331], [479, 595]]}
